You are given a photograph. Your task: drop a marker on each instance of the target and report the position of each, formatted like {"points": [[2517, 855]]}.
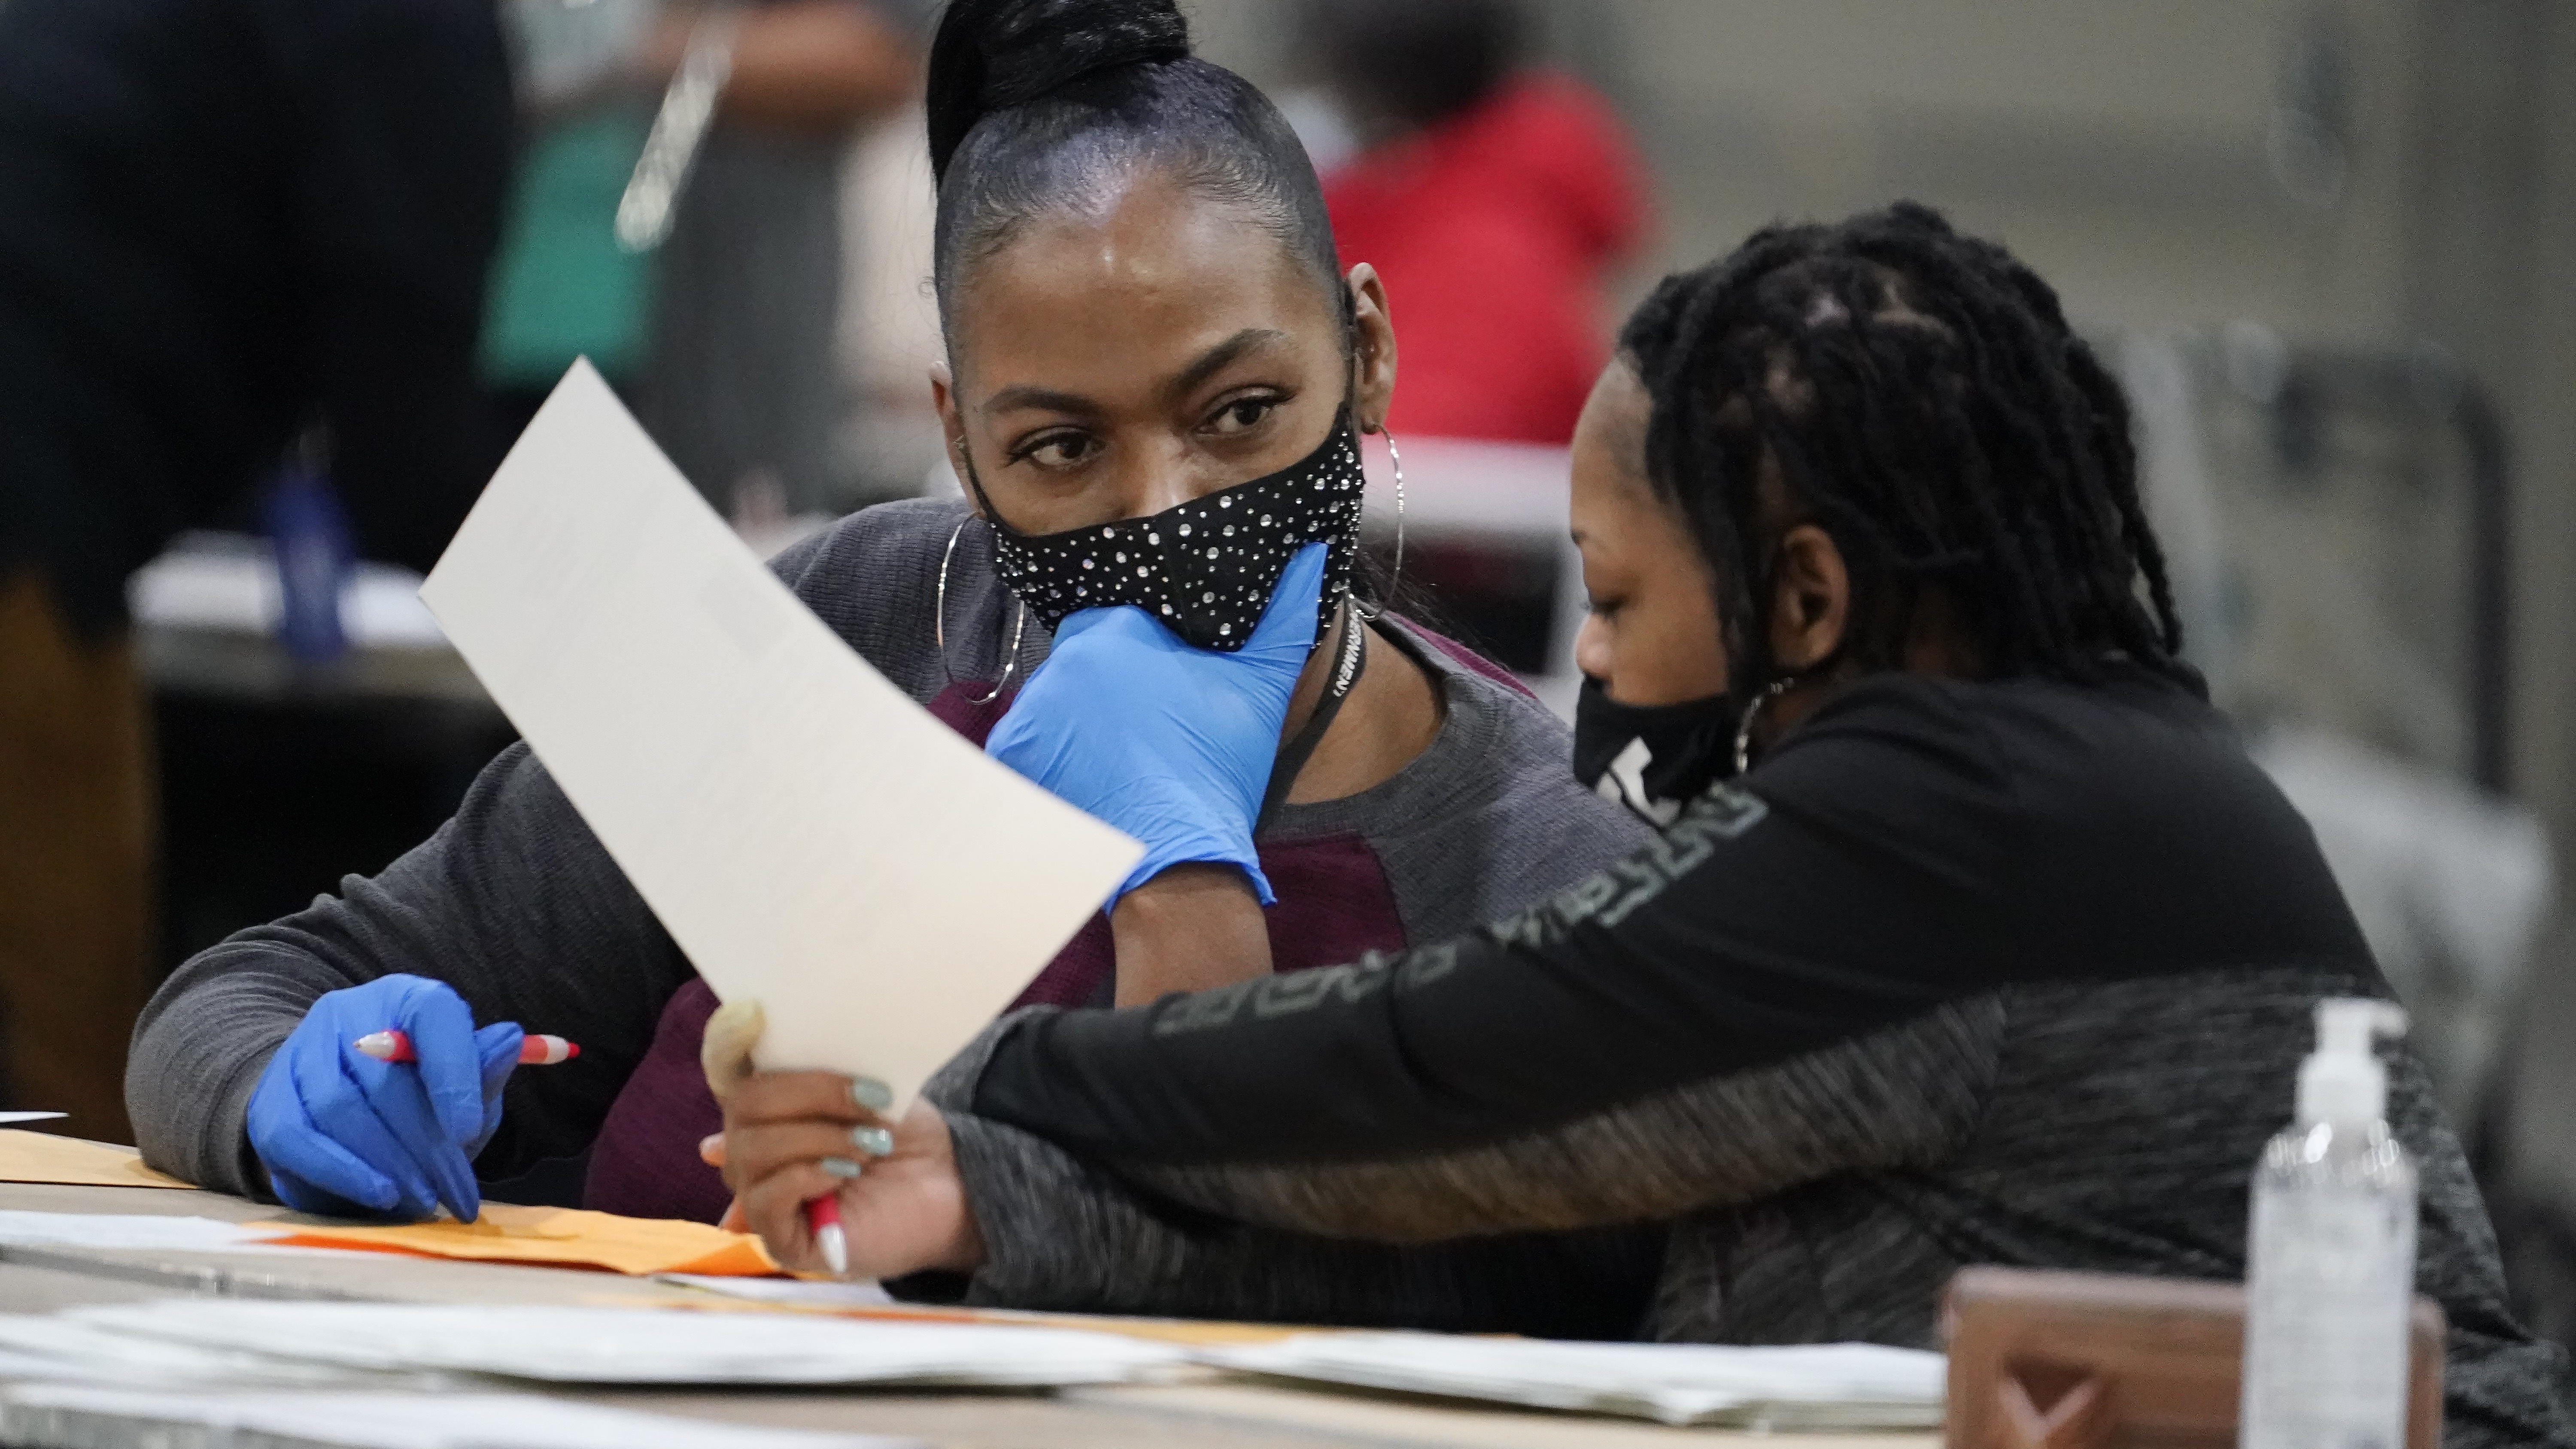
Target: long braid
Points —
{"points": [[1917, 394]]}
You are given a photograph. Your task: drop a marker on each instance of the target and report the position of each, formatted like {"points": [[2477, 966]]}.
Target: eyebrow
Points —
{"points": [[1011, 399], [1224, 355], [1208, 364]]}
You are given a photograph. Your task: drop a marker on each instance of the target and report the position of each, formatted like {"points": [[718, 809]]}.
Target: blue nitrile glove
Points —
{"points": [[1169, 743], [344, 1134]]}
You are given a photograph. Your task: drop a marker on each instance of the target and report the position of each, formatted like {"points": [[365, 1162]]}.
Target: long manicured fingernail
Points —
{"points": [[870, 1093], [874, 1141], [708, 1144], [840, 1167]]}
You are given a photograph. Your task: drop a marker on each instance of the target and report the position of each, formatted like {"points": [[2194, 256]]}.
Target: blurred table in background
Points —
{"points": [[279, 775], [1485, 537]]}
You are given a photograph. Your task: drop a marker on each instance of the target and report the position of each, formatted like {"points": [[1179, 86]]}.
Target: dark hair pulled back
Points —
{"points": [[1918, 394], [1041, 105]]}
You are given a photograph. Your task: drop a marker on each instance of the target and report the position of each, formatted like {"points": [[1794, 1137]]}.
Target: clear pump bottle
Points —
{"points": [[2331, 1253]]}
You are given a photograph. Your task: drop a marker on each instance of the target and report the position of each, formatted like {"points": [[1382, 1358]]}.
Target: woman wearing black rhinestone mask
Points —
{"points": [[1144, 314]]}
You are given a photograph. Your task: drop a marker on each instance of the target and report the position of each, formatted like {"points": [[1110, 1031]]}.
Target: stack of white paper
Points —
{"points": [[37, 1346], [793, 1292], [644, 1346], [127, 1230], [1826, 1386], [63, 1414]]}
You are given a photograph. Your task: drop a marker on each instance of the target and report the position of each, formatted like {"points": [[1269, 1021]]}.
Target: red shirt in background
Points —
{"points": [[1495, 231]]}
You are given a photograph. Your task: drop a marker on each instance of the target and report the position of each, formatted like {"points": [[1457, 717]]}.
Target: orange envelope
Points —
{"points": [[44, 1157], [562, 1237]]}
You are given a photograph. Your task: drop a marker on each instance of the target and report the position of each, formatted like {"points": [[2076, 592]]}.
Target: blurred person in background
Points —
{"points": [[220, 221], [1495, 199], [724, 335], [741, 381]]}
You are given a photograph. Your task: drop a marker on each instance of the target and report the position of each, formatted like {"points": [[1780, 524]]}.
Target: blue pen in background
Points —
{"points": [[316, 553]]}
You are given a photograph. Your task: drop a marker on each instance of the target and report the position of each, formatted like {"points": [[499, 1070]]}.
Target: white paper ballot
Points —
{"points": [[1813, 1386], [64, 1414], [42, 1346], [127, 1230], [812, 838], [643, 1345]]}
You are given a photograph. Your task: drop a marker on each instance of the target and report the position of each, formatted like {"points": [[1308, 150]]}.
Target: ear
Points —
{"points": [[1373, 349], [952, 429], [1810, 599]]}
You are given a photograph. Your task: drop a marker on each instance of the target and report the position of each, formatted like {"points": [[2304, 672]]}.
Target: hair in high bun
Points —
{"points": [[1037, 105]]}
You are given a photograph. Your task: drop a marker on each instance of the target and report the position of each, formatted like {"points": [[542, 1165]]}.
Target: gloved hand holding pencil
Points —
{"points": [[379, 1100]]}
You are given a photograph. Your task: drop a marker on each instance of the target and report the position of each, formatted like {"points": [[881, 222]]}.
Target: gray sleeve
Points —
{"points": [[513, 902], [1062, 1236], [1059, 1235], [1906, 1096]]}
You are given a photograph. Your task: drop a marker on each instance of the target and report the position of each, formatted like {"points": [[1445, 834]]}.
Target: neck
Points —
{"points": [[1391, 716]]}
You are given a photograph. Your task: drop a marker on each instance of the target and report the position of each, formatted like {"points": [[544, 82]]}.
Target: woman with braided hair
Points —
{"points": [[1970, 936]]}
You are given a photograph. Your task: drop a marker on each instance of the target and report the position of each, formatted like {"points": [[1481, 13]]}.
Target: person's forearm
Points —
{"points": [[1188, 929], [1609, 1056], [1058, 1235], [812, 65], [198, 1051]]}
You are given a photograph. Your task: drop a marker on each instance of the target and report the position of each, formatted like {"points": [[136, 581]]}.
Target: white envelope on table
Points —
{"points": [[812, 838]]}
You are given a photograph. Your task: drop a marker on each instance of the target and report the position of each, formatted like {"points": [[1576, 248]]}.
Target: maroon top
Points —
{"points": [[1334, 905]]}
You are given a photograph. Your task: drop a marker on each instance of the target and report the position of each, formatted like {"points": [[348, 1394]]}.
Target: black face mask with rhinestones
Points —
{"points": [[1207, 567]]}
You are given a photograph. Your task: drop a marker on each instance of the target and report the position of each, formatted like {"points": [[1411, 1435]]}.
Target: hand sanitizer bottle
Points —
{"points": [[2331, 1254]]}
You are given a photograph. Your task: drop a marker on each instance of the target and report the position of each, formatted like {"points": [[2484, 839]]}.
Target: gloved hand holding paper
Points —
{"points": [[812, 838]]}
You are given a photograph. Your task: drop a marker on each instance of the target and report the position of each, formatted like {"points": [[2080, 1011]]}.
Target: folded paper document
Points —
{"points": [[643, 1345], [812, 838], [128, 1230], [43, 1157], [68, 1414], [1822, 1386], [561, 1237]]}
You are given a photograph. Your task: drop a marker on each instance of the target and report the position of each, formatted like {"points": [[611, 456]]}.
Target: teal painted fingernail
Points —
{"points": [[870, 1093], [874, 1141], [840, 1167]]}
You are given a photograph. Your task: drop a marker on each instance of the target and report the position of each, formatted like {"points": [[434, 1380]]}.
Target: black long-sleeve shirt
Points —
{"points": [[220, 219], [2013, 972]]}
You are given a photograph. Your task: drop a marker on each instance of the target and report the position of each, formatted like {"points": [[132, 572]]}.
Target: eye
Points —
{"points": [[1058, 450], [1243, 414]]}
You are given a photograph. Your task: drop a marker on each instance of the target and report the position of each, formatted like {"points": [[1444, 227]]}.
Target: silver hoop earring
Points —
{"points": [[1396, 580], [939, 625], [1753, 711]]}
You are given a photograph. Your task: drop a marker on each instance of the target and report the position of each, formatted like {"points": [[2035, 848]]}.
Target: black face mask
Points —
{"points": [[1654, 759], [1206, 568]]}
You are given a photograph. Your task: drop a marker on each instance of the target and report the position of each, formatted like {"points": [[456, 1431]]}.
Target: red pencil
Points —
{"points": [[536, 1051], [823, 1215]]}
